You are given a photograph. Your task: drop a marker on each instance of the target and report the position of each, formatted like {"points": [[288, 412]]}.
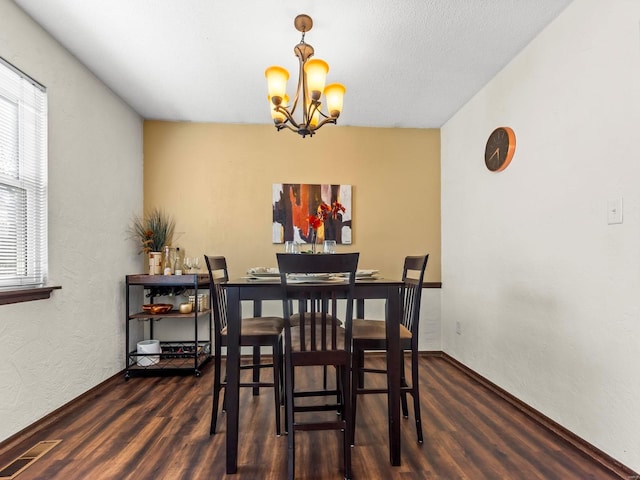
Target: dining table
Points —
{"points": [[263, 289]]}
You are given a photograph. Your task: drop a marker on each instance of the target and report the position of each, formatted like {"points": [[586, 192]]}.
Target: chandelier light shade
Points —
{"points": [[334, 94], [307, 102], [279, 117]]}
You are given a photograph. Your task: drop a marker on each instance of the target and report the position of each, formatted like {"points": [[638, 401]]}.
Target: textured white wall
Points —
{"points": [[546, 291], [54, 350]]}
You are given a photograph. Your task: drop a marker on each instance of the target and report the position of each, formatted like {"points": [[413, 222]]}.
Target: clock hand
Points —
{"points": [[497, 152]]}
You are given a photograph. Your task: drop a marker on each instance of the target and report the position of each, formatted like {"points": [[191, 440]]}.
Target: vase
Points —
{"points": [[155, 263], [314, 241]]}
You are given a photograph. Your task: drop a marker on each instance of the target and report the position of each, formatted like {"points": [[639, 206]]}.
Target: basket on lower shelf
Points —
{"points": [[146, 347]]}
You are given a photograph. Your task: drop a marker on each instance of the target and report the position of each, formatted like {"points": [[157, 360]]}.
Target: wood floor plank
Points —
{"points": [[158, 428]]}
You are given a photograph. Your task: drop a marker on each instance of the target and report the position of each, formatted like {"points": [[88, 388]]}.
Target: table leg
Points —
{"points": [[233, 373], [257, 312], [393, 372]]}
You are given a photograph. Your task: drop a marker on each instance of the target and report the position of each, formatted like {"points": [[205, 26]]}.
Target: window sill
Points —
{"points": [[26, 294]]}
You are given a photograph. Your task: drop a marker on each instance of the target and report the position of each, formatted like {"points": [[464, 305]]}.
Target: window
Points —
{"points": [[23, 180]]}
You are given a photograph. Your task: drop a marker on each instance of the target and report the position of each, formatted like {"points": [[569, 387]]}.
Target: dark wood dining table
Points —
{"points": [[257, 291]]}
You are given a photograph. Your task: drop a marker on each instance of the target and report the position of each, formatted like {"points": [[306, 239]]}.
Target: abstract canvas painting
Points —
{"points": [[293, 203]]}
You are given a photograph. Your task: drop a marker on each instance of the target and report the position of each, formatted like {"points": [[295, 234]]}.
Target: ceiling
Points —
{"points": [[405, 63]]}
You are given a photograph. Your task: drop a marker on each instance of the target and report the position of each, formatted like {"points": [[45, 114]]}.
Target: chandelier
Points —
{"points": [[311, 80]]}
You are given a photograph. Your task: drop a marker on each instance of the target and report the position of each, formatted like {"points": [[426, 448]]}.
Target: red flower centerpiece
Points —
{"points": [[323, 213]]}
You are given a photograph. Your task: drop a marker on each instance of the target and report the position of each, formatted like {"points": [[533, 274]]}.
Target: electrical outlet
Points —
{"points": [[614, 211], [458, 328]]}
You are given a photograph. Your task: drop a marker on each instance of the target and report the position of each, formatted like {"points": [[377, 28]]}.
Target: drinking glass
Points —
{"points": [[329, 246], [188, 264], [291, 247]]}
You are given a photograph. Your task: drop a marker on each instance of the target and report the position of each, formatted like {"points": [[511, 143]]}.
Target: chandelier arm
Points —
{"points": [[287, 114], [282, 110], [317, 108], [295, 103], [328, 120], [324, 115], [299, 51], [313, 108], [302, 79], [296, 98], [286, 125]]}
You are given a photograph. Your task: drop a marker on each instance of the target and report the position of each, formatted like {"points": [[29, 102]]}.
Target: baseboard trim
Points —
{"points": [[594, 453]]}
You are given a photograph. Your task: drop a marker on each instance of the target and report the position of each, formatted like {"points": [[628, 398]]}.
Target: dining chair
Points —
{"points": [[370, 335], [315, 284], [255, 332]]}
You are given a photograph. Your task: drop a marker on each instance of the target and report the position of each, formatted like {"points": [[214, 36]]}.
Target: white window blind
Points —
{"points": [[23, 179]]}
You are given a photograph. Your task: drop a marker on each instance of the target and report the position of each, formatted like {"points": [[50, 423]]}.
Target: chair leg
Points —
{"points": [[291, 451], [286, 414], [256, 369], [281, 352], [403, 383], [348, 418], [415, 393], [224, 396], [340, 398], [360, 370], [355, 380], [291, 462], [216, 394], [285, 395], [276, 381]]}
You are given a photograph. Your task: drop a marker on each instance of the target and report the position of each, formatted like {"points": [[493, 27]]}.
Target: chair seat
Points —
{"points": [[295, 319], [375, 330], [260, 326], [296, 338]]}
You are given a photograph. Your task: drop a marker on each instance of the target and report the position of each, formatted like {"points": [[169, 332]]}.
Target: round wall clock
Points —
{"points": [[500, 148]]}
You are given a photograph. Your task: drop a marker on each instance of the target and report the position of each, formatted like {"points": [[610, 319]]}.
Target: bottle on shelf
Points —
{"points": [[179, 262], [167, 260]]}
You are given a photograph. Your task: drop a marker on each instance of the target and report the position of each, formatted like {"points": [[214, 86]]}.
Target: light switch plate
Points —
{"points": [[614, 211]]}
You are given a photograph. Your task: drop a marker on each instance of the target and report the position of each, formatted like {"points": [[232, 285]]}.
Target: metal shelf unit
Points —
{"points": [[177, 356]]}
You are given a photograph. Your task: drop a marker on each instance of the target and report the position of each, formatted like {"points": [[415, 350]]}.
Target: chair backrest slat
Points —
{"points": [[218, 276], [412, 278], [318, 302]]}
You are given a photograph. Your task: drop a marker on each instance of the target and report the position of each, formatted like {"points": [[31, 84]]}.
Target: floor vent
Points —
{"points": [[17, 466]]}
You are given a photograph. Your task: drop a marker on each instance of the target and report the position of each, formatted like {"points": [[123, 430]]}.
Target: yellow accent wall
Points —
{"points": [[216, 180]]}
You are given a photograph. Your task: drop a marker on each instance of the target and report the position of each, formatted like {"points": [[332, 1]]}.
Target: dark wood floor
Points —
{"points": [[158, 428]]}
